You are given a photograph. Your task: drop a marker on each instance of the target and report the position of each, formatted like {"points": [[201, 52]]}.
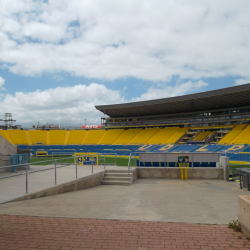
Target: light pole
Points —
{"points": [[85, 122]]}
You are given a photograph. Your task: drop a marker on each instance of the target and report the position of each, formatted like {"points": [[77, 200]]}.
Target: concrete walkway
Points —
{"points": [[32, 233], [193, 201], [16, 186]]}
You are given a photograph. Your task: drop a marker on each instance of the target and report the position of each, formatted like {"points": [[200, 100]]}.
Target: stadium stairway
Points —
{"points": [[117, 177]]}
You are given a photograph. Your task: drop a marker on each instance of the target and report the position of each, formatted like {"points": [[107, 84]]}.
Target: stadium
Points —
{"points": [[181, 159], [213, 121]]}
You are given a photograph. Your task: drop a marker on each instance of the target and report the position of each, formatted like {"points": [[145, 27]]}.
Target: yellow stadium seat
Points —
{"points": [[93, 136], [243, 137], [76, 136], [144, 136], [37, 136], [176, 136], [110, 136], [127, 136], [228, 138], [57, 137], [4, 135], [202, 136], [18, 137], [162, 135]]}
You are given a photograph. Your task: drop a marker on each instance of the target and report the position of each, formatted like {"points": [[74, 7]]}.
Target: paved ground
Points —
{"points": [[193, 201], [32, 233], [16, 186]]}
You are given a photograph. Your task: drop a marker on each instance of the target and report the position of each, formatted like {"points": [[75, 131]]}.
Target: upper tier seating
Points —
{"points": [[76, 136], [18, 136], [37, 136], [110, 136], [162, 135], [243, 137], [127, 136], [202, 136], [228, 138], [93, 136], [57, 137], [144, 136]]}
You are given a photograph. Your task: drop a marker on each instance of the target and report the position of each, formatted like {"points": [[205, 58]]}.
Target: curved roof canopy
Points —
{"points": [[232, 97]]}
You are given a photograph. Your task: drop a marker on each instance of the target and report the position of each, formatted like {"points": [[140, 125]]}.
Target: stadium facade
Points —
{"points": [[218, 107]]}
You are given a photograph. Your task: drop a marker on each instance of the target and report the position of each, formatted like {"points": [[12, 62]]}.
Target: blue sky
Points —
{"points": [[60, 58]]}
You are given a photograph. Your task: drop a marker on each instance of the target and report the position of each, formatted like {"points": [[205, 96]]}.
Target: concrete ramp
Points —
{"points": [[6, 150]]}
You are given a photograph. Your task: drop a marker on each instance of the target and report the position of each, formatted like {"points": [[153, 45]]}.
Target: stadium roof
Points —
{"points": [[232, 97]]}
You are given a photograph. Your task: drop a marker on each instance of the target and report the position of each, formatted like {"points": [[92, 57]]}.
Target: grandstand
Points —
{"points": [[213, 121]]}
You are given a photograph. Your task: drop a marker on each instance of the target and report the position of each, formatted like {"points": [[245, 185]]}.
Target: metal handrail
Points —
{"points": [[55, 162]]}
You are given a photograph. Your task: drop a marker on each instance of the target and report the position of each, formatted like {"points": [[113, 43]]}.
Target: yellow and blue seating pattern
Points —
{"points": [[124, 142]]}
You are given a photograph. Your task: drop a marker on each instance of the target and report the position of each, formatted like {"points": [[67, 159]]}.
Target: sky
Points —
{"points": [[60, 58]]}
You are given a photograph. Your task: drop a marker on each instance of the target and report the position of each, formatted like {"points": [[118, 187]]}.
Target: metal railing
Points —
{"points": [[55, 162], [190, 154], [244, 178], [233, 171], [132, 159]]}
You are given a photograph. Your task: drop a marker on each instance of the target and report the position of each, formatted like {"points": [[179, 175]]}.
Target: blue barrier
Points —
{"points": [[19, 159]]}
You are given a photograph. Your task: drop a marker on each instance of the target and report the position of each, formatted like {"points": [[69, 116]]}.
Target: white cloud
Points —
{"points": [[171, 91], [44, 32], [242, 81], [61, 104], [2, 83], [151, 40]]}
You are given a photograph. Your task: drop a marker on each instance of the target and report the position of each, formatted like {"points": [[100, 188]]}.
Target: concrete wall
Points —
{"points": [[244, 213], [224, 163], [78, 184], [174, 173], [6, 150]]}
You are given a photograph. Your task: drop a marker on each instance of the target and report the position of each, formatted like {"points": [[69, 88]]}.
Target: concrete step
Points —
{"points": [[116, 178], [123, 183], [117, 175], [116, 171]]}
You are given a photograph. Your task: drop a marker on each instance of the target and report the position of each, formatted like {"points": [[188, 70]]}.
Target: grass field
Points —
{"points": [[235, 166], [120, 161], [47, 160]]}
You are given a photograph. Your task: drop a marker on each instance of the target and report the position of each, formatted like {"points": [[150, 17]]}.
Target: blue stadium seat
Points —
{"points": [[70, 147], [163, 164], [55, 147], [240, 157], [148, 164], [204, 164], [196, 164], [212, 164], [171, 164], [184, 148], [84, 148], [156, 164], [207, 148], [142, 164]]}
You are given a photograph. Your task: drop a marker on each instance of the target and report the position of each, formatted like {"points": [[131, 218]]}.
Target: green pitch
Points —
{"points": [[47, 160]]}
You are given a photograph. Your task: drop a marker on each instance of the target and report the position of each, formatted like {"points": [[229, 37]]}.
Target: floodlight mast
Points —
{"points": [[8, 120]]}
